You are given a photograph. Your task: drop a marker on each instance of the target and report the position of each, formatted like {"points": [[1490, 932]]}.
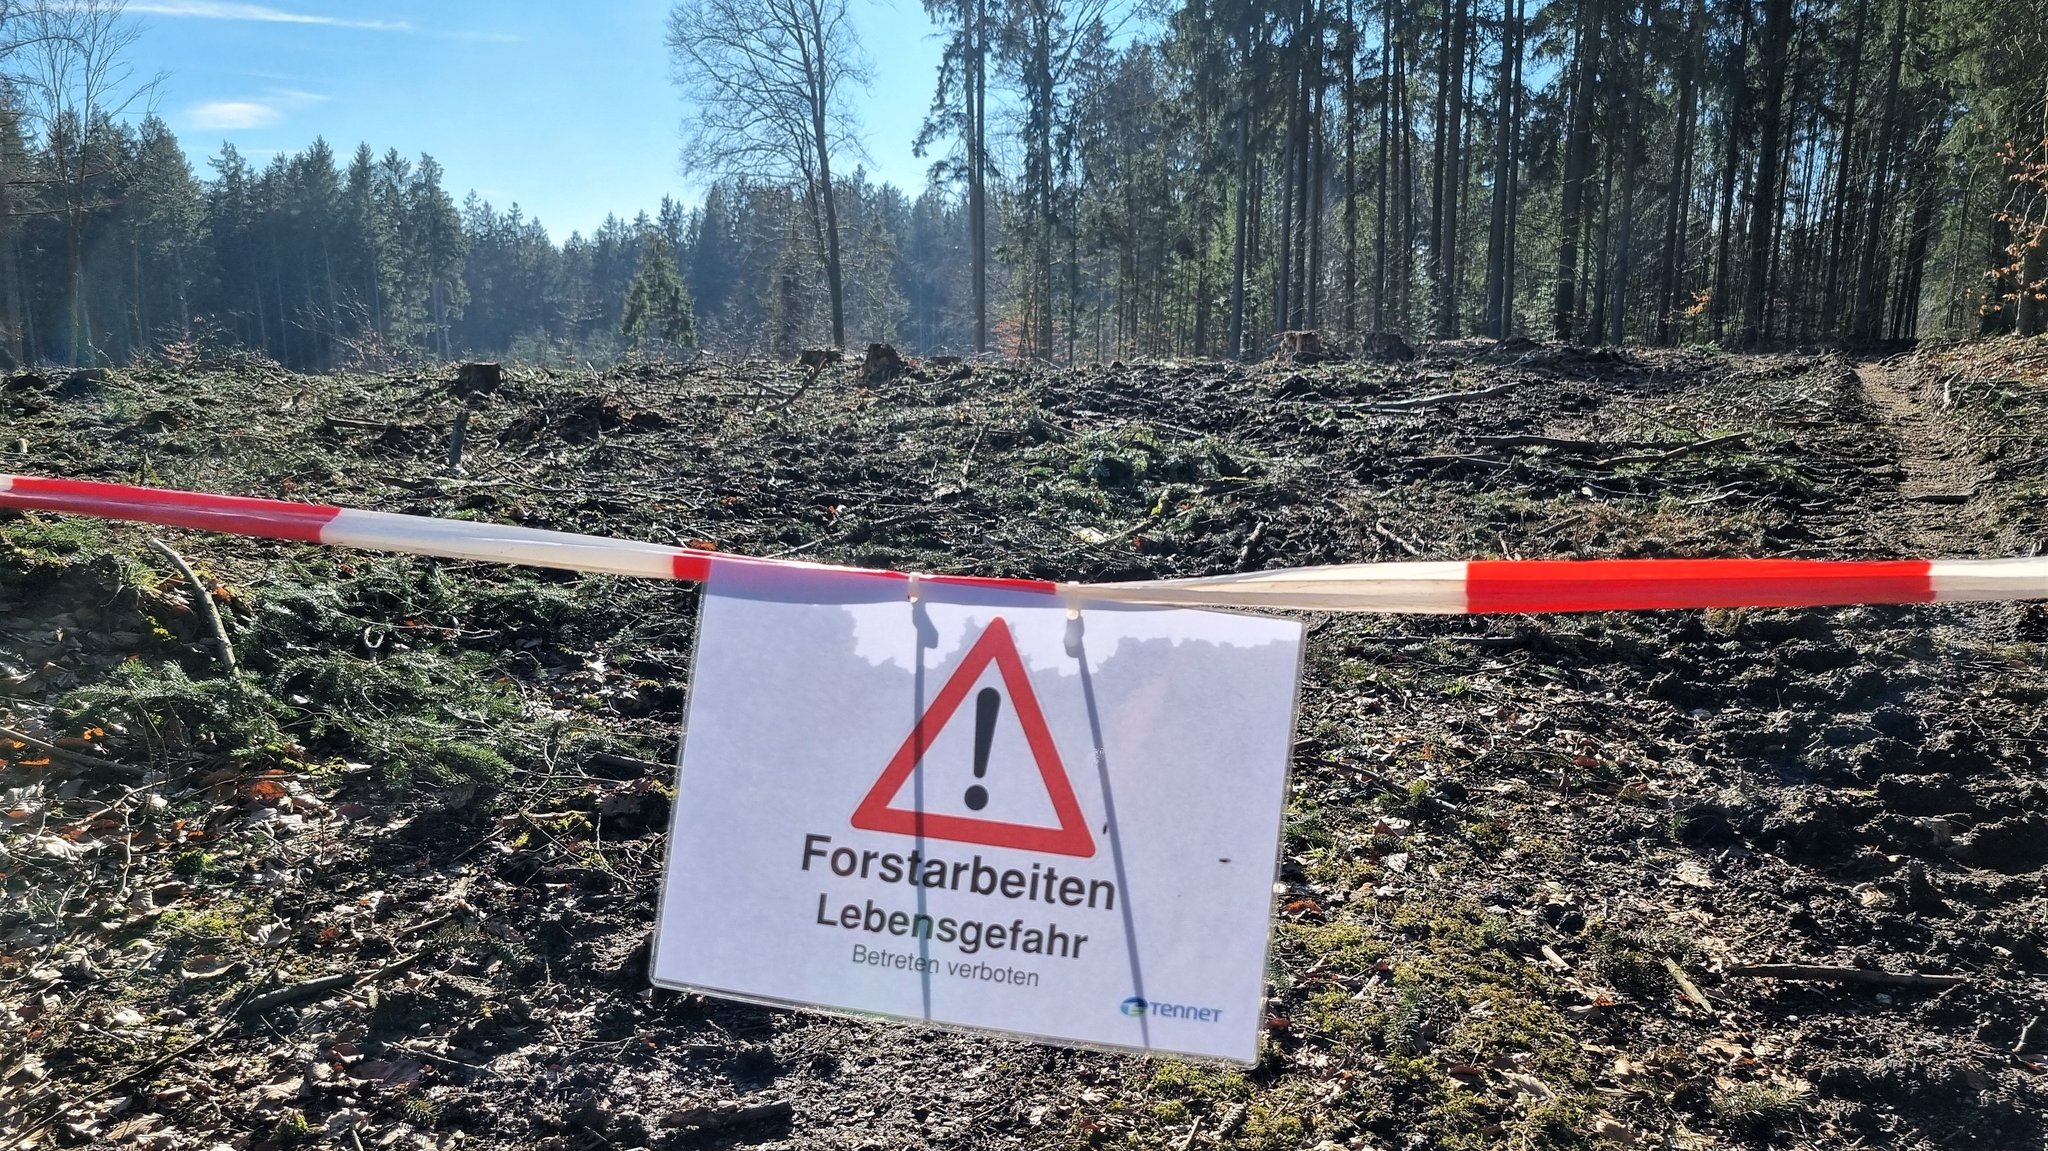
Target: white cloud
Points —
{"points": [[221, 10], [233, 115], [242, 115]]}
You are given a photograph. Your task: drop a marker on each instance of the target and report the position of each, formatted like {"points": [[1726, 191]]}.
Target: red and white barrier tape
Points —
{"points": [[1436, 588]]}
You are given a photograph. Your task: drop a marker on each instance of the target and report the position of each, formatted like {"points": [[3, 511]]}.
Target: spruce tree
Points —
{"points": [[658, 307]]}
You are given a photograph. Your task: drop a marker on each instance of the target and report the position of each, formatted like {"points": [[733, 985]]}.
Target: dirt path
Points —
{"points": [[1942, 486]]}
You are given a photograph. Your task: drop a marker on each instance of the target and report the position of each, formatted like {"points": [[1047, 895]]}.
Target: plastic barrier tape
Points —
{"points": [[1430, 587]]}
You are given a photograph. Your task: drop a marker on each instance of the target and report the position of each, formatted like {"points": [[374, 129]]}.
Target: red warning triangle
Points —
{"points": [[1071, 837]]}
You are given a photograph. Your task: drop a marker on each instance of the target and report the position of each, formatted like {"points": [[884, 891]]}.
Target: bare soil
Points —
{"points": [[392, 886]]}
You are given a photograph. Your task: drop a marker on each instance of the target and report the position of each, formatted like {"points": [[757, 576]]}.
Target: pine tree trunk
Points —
{"points": [[1578, 147], [1632, 145], [1840, 232], [1764, 201], [1505, 132], [1737, 86], [1350, 43], [1869, 301], [1235, 339], [977, 164], [1382, 166], [1520, 103], [1453, 179], [1669, 287]]}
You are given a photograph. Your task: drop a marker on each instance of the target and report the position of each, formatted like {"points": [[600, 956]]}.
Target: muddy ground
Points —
{"points": [[391, 886]]}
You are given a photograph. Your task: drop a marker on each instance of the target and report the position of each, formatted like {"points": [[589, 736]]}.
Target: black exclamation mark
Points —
{"points": [[987, 703]]}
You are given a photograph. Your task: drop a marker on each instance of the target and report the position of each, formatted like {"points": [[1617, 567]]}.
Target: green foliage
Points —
{"points": [[658, 308], [235, 715]]}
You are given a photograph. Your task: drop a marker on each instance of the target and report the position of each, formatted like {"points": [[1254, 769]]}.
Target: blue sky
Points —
{"points": [[565, 108]]}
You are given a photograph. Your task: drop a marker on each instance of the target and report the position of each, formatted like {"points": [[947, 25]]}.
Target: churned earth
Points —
{"points": [[390, 884]]}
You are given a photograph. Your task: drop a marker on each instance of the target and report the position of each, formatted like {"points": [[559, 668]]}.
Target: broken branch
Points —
{"points": [[1674, 453], [1418, 403], [1802, 971], [202, 601]]}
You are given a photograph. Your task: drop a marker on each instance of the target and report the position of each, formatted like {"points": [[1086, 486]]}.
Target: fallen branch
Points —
{"points": [[1386, 533], [60, 755], [718, 1117], [1578, 447], [1251, 544], [1418, 403], [1476, 461], [630, 763], [1818, 974], [1692, 991], [2026, 1040], [1674, 453], [202, 601], [312, 988]]}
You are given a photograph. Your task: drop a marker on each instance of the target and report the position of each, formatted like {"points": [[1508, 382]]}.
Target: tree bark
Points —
{"points": [[1869, 300], [1670, 288], [1578, 148], [1506, 132], [1764, 199]]}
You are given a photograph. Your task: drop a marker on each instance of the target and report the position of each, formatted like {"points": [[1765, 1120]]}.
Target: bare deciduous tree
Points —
{"points": [[76, 82], [763, 79]]}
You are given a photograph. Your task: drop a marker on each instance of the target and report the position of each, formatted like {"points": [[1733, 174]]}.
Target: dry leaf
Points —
{"points": [[1693, 874], [203, 967]]}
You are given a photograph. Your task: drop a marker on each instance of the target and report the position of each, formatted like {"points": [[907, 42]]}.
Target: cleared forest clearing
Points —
{"points": [[1561, 882]]}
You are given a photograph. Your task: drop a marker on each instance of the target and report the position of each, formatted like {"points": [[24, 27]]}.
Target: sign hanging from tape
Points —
{"points": [[978, 809]]}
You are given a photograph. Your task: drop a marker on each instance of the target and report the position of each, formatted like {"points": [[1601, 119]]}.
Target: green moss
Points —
{"points": [[1758, 1109], [1271, 1129], [1345, 948], [1178, 1080]]}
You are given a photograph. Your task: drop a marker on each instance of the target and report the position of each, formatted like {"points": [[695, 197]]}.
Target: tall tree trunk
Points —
{"points": [[1509, 248], [1505, 133], [1318, 174], [1601, 268], [1841, 226], [977, 162], [1632, 145], [1736, 84], [1869, 303], [1578, 148], [1234, 342], [1454, 159], [1404, 267], [1671, 271], [1906, 301], [1350, 45], [1383, 165], [1764, 201]]}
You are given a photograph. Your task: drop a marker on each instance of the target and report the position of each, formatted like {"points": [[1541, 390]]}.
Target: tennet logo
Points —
{"points": [[1136, 1006]]}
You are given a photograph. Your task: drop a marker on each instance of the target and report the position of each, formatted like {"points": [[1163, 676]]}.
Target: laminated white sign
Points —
{"points": [[976, 809]]}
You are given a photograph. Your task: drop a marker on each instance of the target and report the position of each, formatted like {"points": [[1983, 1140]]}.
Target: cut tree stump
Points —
{"points": [[881, 365], [1302, 343], [471, 379], [1386, 346]]}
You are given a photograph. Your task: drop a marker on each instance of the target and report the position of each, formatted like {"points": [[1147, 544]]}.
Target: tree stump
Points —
{"points": [[1386, 346], [1302, 343], [881, 365], [471, 379], [817, 359]]}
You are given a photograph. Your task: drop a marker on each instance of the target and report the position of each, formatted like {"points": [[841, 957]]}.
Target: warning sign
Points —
{"points": [[975, 811], [995, 649]]}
